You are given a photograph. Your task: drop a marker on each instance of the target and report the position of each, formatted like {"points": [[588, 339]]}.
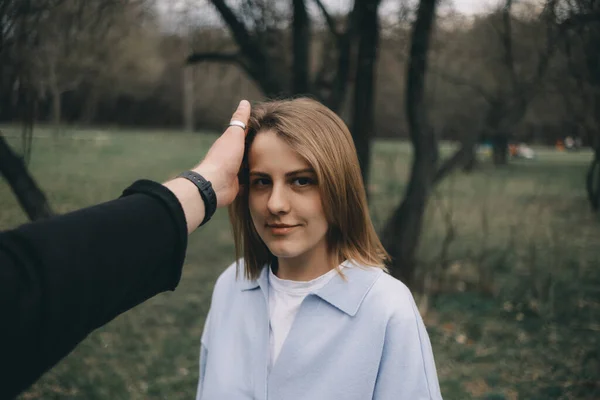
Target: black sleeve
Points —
{"points": [[63, 277]]}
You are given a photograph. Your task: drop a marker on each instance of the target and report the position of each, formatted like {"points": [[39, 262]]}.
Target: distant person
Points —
{"points": [[63, 277], [308, 311], [526, 152], [569, 143]]}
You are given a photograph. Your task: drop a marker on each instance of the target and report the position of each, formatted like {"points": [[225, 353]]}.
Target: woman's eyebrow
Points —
{"points": [[288, 174], [258, 173], [300, 171]]}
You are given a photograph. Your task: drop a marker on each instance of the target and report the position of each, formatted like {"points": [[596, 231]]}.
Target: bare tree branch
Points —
{"points": [[30, 196], [238, 29], [459, 81], [328, 19], [459, 158], [264, 68], [227, 58], [213, 56], [344, 64], [553, 40], [579, 19]]}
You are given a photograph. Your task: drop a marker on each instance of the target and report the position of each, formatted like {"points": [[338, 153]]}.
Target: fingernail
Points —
{"points": [[243, 103]]}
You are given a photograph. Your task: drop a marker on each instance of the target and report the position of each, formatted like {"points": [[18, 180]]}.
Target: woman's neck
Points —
{"points": [[306, 267]]}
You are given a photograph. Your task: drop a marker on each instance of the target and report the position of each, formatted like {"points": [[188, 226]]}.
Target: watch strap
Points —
{"points": [[206, 191]]}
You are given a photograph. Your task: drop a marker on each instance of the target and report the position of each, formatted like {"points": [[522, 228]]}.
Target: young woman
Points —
{"points": [[309, 312]]}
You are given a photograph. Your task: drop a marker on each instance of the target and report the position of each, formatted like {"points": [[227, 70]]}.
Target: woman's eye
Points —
{"points": [[303, 181], [260, 182]]}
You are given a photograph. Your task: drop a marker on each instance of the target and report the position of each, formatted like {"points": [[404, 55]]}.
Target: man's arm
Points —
{"points": [[63, 277]]}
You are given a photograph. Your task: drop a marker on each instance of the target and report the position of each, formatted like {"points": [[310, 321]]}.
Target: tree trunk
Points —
{"points": [[364, 90], [29, 195], [56, 97], [471, 158], [593, 181], [344, 61], [500, 149], [56, 109], [188, 98], [301, 29], [402, 231], [90, 107]]}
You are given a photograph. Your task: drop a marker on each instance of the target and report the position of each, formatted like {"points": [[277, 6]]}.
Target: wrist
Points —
{"points": [[190, 200], [214, 176], [206, 191]]}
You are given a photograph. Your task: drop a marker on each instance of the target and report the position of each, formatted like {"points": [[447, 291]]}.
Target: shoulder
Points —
{"points": [[230, 274], [392, 297], [227, 287], [393, 289], [231, 277]]}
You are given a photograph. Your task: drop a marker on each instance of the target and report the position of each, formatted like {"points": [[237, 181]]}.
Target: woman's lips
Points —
{"points": [[280, 229]]}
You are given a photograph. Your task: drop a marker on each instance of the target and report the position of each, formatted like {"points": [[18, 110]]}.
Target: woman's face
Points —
{"points": [[284, 199]]}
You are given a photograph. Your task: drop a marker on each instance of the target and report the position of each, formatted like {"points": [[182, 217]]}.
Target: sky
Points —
{"points": [[472, 6], [469, 7], [203, 11], [464, 6]]}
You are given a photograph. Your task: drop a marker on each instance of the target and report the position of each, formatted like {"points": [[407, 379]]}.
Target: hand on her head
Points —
{"points": [[223, 160]]}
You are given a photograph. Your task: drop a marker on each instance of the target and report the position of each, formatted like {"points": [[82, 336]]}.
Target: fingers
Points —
{"points": [[242, 114]]}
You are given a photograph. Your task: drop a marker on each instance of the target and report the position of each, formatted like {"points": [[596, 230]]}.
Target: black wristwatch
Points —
{"points": [[206, 191]]}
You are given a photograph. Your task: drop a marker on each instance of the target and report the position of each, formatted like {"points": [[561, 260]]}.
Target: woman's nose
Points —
{"points": [[278, 200]]}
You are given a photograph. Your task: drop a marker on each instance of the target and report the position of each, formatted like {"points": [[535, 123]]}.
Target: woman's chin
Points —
{"points": [[284, 251]]}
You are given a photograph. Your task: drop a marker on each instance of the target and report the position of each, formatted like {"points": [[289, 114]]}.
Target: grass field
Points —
{"points": [[516, 314]]}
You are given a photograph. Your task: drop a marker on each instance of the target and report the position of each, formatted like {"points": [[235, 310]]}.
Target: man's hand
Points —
{"points": [[223, 160]]}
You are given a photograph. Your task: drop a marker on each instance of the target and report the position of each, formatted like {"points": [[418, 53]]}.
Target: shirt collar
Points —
{"points": [[262, 281], [348, 292], [344, 293]]}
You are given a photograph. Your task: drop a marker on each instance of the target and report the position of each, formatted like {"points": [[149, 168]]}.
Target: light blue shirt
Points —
{"points": [[354, 339]]}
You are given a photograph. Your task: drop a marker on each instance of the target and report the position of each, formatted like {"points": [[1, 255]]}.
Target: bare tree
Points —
{"points": [[258, 41], [47, 45], [30, 197], [401, 232], [583, 96], [76, 41], [127, 57], [17, 33], [349, 57], [510, 83], [261, 36], [364, 87]]}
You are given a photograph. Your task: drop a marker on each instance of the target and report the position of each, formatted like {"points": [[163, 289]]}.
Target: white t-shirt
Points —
{"points": [[285, 298]]}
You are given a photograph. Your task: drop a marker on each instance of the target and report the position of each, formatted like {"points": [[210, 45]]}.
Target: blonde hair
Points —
{"points": [[319, 136]]}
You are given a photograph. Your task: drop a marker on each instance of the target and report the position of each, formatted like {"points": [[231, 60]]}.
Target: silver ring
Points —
{"points": [[235, 122]]}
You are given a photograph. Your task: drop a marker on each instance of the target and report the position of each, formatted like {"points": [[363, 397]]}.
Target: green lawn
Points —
{"points": [[514, 311]]}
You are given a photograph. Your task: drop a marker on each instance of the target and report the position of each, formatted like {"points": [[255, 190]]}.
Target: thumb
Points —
{"points": [[242, 114]]}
